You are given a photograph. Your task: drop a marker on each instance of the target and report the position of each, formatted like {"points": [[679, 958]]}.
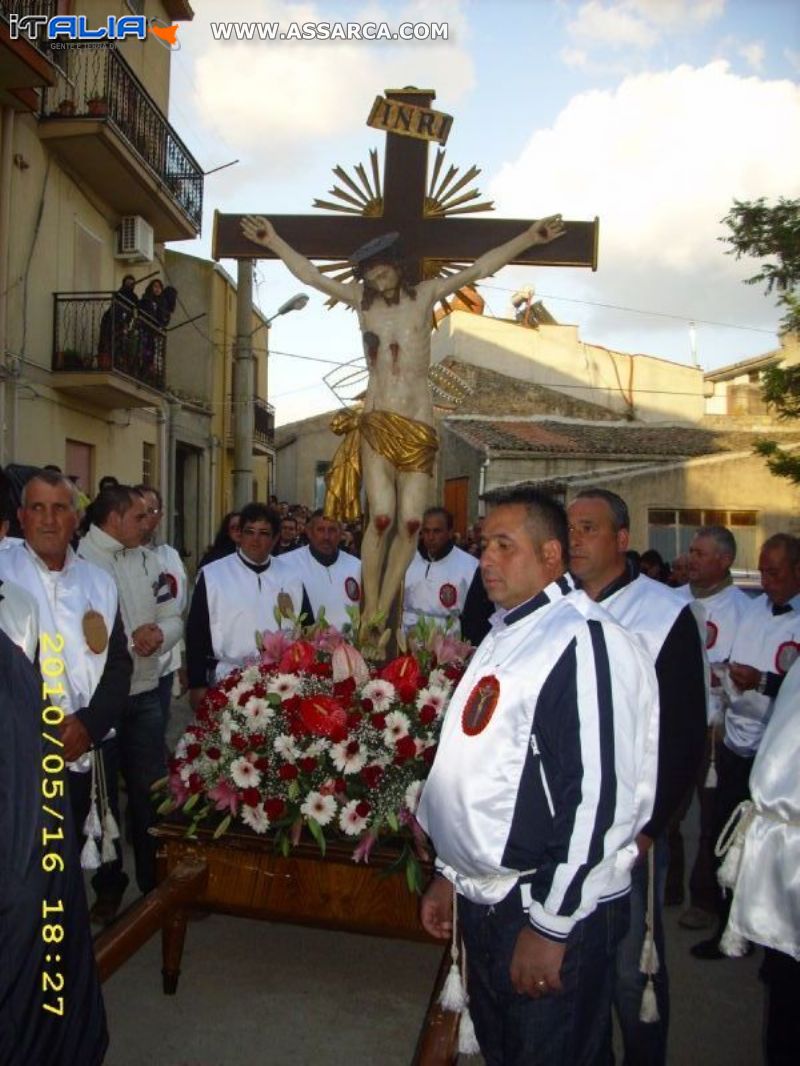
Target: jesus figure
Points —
{"points": [[392, 439]]}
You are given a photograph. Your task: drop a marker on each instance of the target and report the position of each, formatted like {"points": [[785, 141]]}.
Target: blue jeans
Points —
{"points": [[645, 1043], [142, 761], [571, 1029]]}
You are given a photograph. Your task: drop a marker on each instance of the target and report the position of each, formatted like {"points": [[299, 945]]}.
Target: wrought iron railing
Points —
{"points": [[98, 83], [102, 331], [42, 9], [264, 428]]}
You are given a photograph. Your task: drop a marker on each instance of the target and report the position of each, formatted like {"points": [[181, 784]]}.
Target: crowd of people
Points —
{"points": [[614, 698]]}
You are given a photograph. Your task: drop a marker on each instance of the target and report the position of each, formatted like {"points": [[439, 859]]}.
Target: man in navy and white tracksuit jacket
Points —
{"points": [[545, 773]]}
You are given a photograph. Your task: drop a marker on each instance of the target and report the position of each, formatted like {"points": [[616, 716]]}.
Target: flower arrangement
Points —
{"points": [[310, 735]]}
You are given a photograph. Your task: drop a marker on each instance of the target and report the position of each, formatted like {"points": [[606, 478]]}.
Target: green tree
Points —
{"points": [[773, 235]]}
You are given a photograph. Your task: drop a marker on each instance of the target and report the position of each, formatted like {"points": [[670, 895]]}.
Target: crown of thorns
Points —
{"points": [[381, 249]]}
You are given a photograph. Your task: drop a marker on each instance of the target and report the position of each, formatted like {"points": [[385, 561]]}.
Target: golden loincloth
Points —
{"points": [[407, 444]]}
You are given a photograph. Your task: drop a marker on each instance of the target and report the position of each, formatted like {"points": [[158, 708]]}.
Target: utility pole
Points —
{"points": [[243, 413]]}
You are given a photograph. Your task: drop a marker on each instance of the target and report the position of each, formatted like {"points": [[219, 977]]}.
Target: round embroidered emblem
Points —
{"points": [[173, 585], [786, 655], [352, 589], [712, 632], [480, 705], [448, 594]]}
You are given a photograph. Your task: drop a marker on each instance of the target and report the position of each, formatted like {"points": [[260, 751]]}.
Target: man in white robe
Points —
{"points": [[439, 577], [331, 577]]}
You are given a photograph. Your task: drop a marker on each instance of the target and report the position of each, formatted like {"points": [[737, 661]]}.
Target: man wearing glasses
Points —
{"points": [[236, 597]]}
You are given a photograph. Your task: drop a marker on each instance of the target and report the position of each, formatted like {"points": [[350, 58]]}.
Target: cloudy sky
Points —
{"points": [[652, 114]]}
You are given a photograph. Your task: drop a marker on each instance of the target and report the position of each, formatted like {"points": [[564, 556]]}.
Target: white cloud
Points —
{"points": [[677, 14], [613, 25], [275, 102], [573, 57], [753, 54], [660, 160]]}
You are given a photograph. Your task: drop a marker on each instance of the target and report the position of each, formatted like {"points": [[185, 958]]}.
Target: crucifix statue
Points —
{"points": [[392, 440]]}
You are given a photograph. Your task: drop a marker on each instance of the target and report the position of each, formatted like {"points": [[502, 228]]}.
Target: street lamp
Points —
{"points": [[243, 412]]}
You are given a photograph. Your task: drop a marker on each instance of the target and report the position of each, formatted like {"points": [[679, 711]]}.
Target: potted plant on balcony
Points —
{"points": [[65, 108], [97, 106], [68, 359]]}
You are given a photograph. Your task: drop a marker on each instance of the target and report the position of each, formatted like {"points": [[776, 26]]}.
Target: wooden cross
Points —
{"points": [[461, 240]]}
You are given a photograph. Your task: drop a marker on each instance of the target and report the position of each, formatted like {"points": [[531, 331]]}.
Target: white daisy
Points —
{"points": [[180, 747], [227, 727], [412, 795], [432, 696], [255, 817], [186, 772], [349, 756], [244, 774], [241, 689], [286, 747], [438, 679], [350, 821], [317, 747], [320, 808], [380, 693], [251, 675], [397, 726], [285, 685], [257, 714]]}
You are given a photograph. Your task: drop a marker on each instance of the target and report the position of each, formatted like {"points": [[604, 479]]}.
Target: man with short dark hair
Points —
{"points": [[766, 644], [153, 626], [544, 773], [237, 596], [440, 574], [79, 602], [287, 540], [599, 527], [331, 578], [711, 590]]}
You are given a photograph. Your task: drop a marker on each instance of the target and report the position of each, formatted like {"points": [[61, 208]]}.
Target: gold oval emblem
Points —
{"points": [[285, 605], [95, 631]]}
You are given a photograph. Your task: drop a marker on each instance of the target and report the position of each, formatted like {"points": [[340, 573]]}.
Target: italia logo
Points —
{"points": [[480, 705], [448, 594], [352, 589]]}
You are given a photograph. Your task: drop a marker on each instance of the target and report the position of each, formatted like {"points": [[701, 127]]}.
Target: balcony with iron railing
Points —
{"points": [[26, 60], [106, 351], [263, 425], [103, 122]]}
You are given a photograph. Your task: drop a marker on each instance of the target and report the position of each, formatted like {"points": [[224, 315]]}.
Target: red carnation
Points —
{"points": [[192, 751], [274, 808], [239, 742], [251, 797], [405, 749], [343, 690], [259, 690], [371, 776], [217, 699], [427, 714], [174, 764], [261, 763], [379, 721], [429, 754], [323, 716], [307, 764], [298, 658], [214, 753], [404, 673], [195, 783], [320, 669], [363, 809], [366, 706], [288, 772], [353, 720], [340, 785], [257, 740]]}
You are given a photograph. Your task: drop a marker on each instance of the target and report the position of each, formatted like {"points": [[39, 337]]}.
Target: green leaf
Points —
{"points": [[167, 806], [317, 834], [284, 845], [391, 821], [158, 785], [222, 827], [191, 803]]}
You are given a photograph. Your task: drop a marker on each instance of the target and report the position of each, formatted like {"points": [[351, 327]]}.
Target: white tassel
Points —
{"points": [[732, 944], [649, 962], [728, 872], [731, 844], [108, 852], [648, 1011], [90, 856], [91, 825], [467, 1041], [453, 997], [711, 776], [110, 827]]}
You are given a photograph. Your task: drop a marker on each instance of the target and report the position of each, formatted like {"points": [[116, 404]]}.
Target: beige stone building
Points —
{"points": [[531, 402], [93, 180]]}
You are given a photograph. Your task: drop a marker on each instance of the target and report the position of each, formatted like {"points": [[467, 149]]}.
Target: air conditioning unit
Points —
{"points": [[134, 240]]}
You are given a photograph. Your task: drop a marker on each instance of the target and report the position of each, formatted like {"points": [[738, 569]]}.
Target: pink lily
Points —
{"points": [[180, 793], [347, 661], [225, 796], [365, 846], [273, 646], [448, 649]]}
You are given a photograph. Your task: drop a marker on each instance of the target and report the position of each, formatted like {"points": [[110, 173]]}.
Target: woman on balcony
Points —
{"points": [[156, 308]]}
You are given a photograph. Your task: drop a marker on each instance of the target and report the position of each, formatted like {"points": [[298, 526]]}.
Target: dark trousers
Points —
{"points": [[109, 880], [645, 1043], [781, 973], [142, 761], [570, 1029], [733, 786], [703, 888]]}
